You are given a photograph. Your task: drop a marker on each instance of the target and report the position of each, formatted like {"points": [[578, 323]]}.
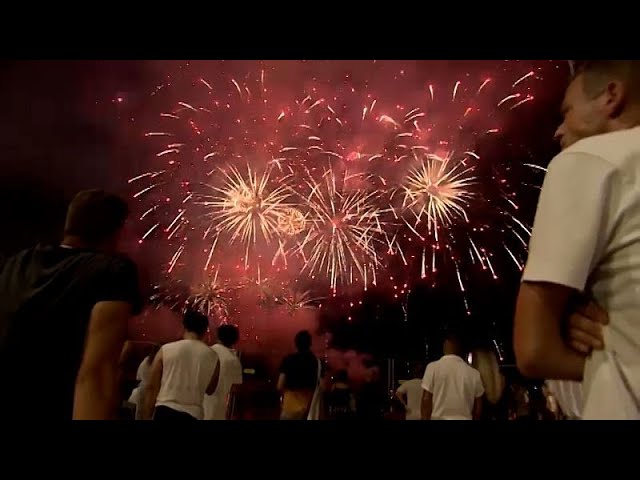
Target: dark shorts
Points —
{"points": [[166, 413]]}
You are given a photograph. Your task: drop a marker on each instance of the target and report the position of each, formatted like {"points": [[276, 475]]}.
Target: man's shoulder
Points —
{"points": [[171, 345], [114, 263], [203, 349], [291, 359], [611, 148], [93, 261], [472, 372], [47, 259], [436, 364]]}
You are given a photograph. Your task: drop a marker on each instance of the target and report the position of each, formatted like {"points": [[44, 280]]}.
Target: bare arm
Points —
{"points": [[152, 388], [97, 389], [282, 382], [540, 349], [126, 352], [477, 408], [427, 405], [213, 383]]}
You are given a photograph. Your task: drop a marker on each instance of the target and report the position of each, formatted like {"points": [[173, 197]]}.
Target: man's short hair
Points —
{"points": [[303, 341], [228, 335], [597, 73], [195, 322], [95, 215], [455, 336]]}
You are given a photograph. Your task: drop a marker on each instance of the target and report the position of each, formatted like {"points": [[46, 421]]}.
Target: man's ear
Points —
{"points": [[615, 98]]}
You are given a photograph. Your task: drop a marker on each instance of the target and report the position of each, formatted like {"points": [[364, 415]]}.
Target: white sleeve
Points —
{"points": [[478, 387], [428, 379], [573, 221]]}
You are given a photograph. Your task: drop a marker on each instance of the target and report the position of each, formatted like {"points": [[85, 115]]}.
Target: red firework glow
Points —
{"points": [[332, 182]]}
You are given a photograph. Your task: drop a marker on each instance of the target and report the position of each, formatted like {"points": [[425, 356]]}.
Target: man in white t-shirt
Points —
{"points": [[217, 405], [181, 373], [452, 388], [586, 244], [410, 394]]}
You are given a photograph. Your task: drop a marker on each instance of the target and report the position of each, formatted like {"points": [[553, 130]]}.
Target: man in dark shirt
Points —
{"points": [[299, 376], [64, 312]]}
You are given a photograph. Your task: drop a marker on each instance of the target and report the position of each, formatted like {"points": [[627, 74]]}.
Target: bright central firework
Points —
{"points": [[438, 189], [244, 207]]}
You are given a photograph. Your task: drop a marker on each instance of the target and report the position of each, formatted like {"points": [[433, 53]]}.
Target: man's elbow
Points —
{"points": [[530, 360]]}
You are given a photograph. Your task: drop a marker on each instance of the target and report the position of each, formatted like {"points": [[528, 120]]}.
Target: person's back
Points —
{"points": [[412, 390], [454, 385], [142, 376], [47, 298], [486, 362], [409, 393], [301, 370], [299, 378], [216, 406], [187, 368], [614, 279]]}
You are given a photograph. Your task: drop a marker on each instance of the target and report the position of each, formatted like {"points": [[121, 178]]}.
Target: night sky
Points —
{"points": [[71, 125]]}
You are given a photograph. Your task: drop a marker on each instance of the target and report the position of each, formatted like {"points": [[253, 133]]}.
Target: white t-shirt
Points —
{"points": [[142, 376], [454, 385], [568, 395], [586, 236], [215, 406], [187, 368], [413, 390]]}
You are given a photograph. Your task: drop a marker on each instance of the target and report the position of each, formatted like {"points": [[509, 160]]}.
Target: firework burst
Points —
{"points": [[172, 294], [295, 300], [438, 189], [245, 208], [341, 236], [212, 298]]}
